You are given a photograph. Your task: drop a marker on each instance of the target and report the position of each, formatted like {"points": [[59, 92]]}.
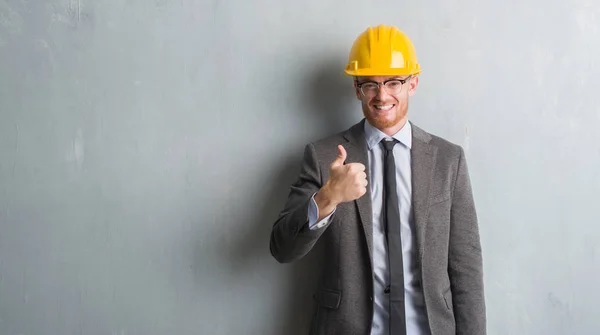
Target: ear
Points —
{"points": [[356, 89], [412, 88]]}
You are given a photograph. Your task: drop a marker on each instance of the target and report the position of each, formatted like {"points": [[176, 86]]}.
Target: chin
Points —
{"points": [[382, 122]]}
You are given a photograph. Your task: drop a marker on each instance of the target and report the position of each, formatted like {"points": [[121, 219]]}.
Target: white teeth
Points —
{"points": [[383, 107]]}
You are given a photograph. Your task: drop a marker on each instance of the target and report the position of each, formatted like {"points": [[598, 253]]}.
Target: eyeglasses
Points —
{"points": [[392, 86]]}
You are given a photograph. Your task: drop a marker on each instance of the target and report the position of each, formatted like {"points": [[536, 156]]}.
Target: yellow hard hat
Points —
{"points": [[382, 51]]}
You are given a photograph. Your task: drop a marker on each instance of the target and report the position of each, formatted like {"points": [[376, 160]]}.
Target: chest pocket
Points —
{"points": [[439, 198]]}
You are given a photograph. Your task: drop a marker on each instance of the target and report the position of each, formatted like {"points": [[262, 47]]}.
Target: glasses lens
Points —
{"points": [[393, 86], [369, 89]]}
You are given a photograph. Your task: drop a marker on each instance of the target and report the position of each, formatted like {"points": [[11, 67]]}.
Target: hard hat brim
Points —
{"points": [[381, 72]]}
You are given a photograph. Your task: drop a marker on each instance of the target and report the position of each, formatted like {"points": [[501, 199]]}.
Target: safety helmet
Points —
{"points": [[382, 51]]}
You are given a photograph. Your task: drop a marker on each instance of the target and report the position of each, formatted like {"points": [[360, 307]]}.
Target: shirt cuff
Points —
{"points": [[313, 215]]}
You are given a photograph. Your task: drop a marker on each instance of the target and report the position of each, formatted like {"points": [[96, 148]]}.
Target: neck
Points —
{"points": [[391, 131]]}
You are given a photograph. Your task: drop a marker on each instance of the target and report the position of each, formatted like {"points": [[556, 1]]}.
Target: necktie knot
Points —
{"points": [[388, 145]]}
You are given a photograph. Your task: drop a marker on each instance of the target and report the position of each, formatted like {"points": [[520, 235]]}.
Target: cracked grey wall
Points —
{"points": [[147, 146]]}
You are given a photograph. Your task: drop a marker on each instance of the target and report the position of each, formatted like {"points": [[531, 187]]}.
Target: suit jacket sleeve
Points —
{"points": [[465, 259], [291, 237]]}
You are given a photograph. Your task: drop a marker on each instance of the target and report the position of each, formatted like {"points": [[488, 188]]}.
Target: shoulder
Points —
{"points": [[328, 145], [444, 147], [331, 140]]}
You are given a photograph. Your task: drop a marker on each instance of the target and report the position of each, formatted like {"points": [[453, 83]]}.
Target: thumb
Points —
{"points": [[341, 157]]}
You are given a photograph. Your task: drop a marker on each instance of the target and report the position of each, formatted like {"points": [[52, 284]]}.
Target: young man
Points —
{"points": [[393, 206]]}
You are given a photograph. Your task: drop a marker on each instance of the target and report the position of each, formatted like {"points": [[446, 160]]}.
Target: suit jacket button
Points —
{"points": [[371, 298]]}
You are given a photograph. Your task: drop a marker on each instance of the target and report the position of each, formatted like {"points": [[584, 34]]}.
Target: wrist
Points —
{"points": [[324, 199]]}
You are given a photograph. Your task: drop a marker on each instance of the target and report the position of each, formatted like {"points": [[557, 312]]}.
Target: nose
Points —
{"points": [[381, 91]]}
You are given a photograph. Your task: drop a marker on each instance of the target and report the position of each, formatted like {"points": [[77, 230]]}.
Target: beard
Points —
{"points": [[383, 123]]}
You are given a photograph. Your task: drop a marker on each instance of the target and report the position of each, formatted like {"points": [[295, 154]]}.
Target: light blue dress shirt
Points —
{"points": [[416, 319]]}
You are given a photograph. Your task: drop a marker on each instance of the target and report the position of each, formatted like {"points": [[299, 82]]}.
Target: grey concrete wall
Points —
{"points": [[147, 146]]}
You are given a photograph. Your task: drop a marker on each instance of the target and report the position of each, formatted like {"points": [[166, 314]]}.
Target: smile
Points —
{"points": [[383, 107]]}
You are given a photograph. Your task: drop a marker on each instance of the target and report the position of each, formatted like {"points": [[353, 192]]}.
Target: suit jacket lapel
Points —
{"points": [[356, 148], [423, 156]]}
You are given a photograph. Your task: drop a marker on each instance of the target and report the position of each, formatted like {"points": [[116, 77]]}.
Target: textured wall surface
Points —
{"points": [[146, 148]]}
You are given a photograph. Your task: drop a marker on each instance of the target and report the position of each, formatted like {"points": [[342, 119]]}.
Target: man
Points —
{"points": [[393, 206]]}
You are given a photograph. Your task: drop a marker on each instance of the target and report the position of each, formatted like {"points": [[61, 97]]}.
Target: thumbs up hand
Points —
{"points": [[346, 182]]}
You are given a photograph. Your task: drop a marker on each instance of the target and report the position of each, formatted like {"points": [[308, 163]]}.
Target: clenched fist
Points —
{"points": [[346, 183]]}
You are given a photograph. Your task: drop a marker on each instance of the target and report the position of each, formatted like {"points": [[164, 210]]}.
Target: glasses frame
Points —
{"points": [[380, 83]]}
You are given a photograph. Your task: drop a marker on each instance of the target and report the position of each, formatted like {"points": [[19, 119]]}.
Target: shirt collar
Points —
{"points": [[374, 135]]}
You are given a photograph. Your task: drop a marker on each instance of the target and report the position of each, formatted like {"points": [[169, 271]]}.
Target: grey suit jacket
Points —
{"points": [[447, 236]]}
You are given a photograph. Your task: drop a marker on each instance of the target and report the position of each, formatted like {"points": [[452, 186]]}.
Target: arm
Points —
{"points": [[465, 265], [294, 234], [291, 236]]}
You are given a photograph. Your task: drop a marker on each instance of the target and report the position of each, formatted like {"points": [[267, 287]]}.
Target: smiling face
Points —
{"points": [[385, 107]]}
